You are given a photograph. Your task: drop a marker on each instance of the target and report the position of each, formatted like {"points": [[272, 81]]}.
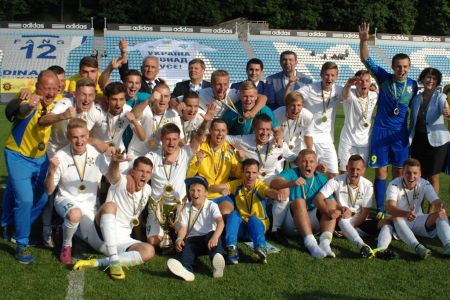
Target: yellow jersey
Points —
{"points": [[27, 137], [216, 166], [71, 87], [250, 202]]}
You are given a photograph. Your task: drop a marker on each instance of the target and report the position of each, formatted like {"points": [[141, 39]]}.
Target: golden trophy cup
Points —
{"points": [[167, 210]]}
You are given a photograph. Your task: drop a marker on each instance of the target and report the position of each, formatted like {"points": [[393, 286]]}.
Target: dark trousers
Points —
{"points": [[198, 245]]}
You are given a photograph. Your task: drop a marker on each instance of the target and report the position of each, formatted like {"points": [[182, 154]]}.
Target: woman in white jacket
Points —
{"points": [[428, 135]]}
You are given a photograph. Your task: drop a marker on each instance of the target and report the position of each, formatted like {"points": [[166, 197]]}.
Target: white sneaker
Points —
{"points": [[177, 268], [218, 263]]}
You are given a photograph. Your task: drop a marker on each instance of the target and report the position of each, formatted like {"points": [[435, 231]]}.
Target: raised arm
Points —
{"points": [[200, 134], [123, 45], [347, 88], [51, 118], [113, 174], [104, 77], [363, 39], [138, 110], [137, 127], [292, 80]]}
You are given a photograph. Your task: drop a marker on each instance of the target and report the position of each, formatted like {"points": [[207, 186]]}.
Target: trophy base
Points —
{"points": [[166, 245]]}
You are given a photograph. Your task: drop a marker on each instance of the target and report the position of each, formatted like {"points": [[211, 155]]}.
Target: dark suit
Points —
{"points": [[145, 87], [279, 87], [183, 87], [263, 89]]}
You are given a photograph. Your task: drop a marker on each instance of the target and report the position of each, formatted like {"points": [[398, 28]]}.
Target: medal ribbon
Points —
{"points": [[325, 107], [79, 171], [263, 162], [156, 127], [245, 192], [213, 154], [363, 109], [135, 212], [295, 127], [112, 133], [191, 221], [395, 92], [305, 194], [164, 167], [352, 199], [406, 194], [231, 105]]}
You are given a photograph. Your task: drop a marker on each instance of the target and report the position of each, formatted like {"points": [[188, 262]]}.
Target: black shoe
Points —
{"points": [[385, 254], [279, 238], [366, 251]]}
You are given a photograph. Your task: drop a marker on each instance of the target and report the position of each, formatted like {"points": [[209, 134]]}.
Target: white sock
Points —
{"points": [[311, 244], [127, 259], [350, 232], [325, 242], [130, 258], [443, 231], [108, 228], [405, 233], [279, 211], [69, 230], [385, 237]]}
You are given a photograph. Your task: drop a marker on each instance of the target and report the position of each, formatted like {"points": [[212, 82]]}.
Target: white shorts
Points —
{"points": [[345, 151], [289, 226], [326, 154], [418, 227], [152, 226], [124, 241], [62, 207]]}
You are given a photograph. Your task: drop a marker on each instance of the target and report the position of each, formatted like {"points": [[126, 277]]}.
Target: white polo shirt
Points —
{"points": [[68, 179], [188, 127], [174, 174], [206, 221], [353, 132], [295, 130], [269, 156], [347, 196], [129, 206], [152, 124], [407, 198], [207, 97], [323, 132], [58, 137], [112, 132]]}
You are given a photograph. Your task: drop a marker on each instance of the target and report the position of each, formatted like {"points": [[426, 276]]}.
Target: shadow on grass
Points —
{"points": [[8, 248]]}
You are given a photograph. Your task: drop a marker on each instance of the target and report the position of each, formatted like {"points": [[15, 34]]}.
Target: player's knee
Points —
{"points": [[109, 208], [226, 207], [298, 205], [74, 215], [147, 252]]}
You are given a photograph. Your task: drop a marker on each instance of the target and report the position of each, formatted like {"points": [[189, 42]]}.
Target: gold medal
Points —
{"points": [[41, 146], [134, 222], [324, 119], [241, 120], [365, 125], [396, 111], [263, 174], [111, 144], [82, 187], [291, 146]]}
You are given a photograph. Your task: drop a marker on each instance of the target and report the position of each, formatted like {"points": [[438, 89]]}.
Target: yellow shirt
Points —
{"points": [[250, 203], [216, 166], [71, 87], [27, 137]]}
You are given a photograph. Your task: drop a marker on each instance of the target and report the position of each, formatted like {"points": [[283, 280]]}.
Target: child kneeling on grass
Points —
{"points": [[199, 231], [249, 220]]}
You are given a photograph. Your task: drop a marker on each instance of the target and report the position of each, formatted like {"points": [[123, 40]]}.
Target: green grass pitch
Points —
{"points": [[290, 274]]}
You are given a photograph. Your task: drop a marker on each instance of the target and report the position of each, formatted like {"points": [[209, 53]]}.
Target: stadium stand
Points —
{"points": [[28, 48]]}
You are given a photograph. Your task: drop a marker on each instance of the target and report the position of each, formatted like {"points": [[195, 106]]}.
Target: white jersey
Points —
{"points": [[188, 127], [358, 115], [407, 198], [67, 177], [129, 206], [269, 156], [207, 97], [323, 105], [112, 128], [152, 124], [206, 221], [174, 174], [347, 196], [58, 138], [295, 130]]}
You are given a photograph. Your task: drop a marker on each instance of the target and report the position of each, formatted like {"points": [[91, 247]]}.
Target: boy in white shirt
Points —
{"points": [[77, 170], [404, 197], [116, 218], [199, 231]]}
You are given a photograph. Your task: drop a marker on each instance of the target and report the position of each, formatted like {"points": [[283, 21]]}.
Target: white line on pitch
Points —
{"points": [[75, 290]]}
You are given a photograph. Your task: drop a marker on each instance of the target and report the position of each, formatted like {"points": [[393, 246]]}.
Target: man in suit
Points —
{"points": [[149, 69], [195, 82], [255, 71], [288, 62]]}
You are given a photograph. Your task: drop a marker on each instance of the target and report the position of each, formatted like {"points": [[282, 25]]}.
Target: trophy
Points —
{"points": [[167, 210]]}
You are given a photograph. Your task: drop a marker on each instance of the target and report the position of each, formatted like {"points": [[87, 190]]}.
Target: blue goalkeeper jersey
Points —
{"points": [[389, 99]]}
